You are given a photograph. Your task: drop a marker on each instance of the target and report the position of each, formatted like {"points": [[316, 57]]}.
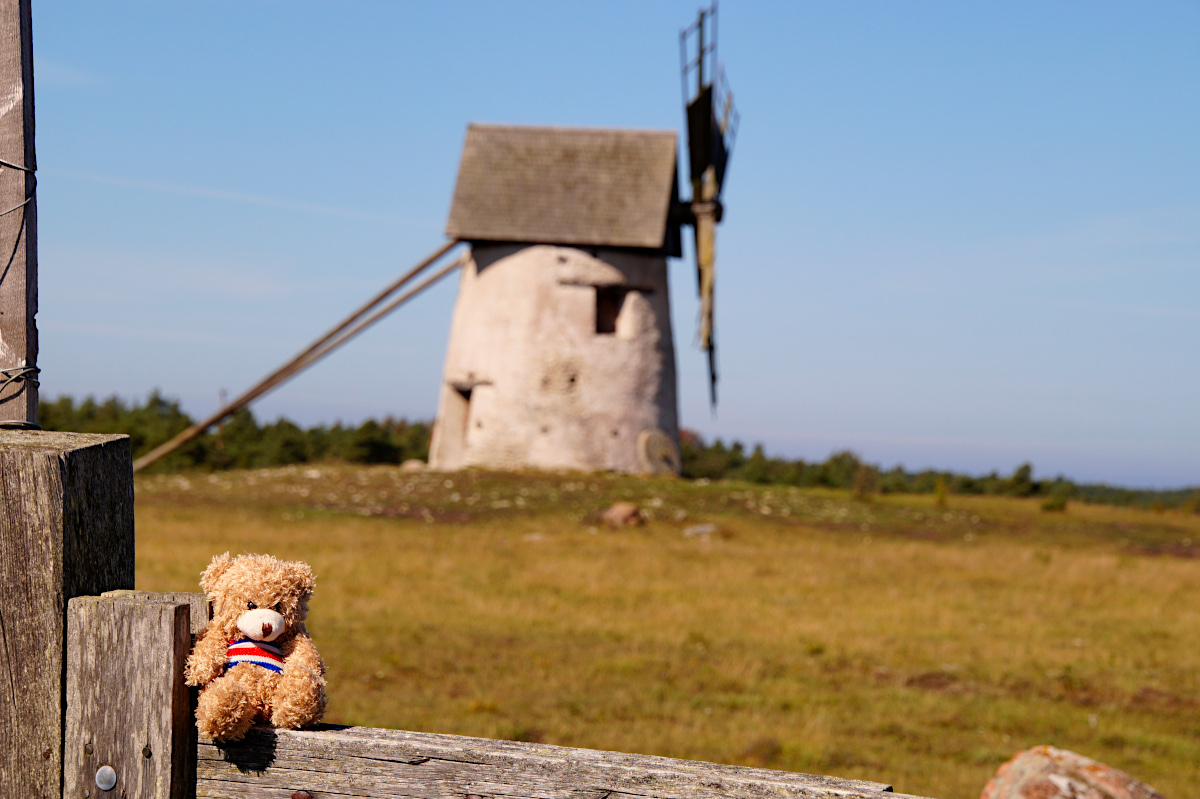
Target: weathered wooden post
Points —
{"points": [[18, 218], [66, 530], [129, 722]]}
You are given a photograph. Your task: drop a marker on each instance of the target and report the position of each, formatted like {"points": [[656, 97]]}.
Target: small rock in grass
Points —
{"points": [[1045, 772], [413, 465], [622, 514]]}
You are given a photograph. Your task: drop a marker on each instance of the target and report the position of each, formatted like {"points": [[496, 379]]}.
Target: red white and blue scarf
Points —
{"points": [[260, 653]]}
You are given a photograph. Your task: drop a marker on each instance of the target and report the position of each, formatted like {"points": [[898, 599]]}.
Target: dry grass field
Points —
{"points": [[799, 629]]}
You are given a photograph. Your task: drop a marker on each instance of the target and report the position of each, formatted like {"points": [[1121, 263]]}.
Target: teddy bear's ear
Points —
{"points": [[303, 575], [220, 564]]}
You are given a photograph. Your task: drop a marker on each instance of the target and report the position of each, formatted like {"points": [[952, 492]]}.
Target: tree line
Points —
{"points": [[846, 470], [242, 442]]}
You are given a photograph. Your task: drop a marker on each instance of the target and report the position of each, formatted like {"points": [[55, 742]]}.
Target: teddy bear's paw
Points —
{"points": [[199, 674], [225, 711], [299, 698]]}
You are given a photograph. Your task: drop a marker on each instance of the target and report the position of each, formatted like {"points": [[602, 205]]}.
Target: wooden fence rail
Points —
{"points": [[127, 709], [363, 762]]}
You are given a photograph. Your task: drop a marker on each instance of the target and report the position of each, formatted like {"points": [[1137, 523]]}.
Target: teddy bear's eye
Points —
{"points": [[278, 607], [251, 606]]}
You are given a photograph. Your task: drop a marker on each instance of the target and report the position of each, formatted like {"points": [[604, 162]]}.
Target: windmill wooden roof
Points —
{"points": [[575, 186]]}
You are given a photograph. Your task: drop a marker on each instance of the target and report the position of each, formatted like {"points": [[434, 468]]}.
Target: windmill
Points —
{"points": [[712, 122], [560, 353]]}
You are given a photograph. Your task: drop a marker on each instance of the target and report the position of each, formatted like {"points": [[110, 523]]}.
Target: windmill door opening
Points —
{"points": [[464, 426], [453, 424]]}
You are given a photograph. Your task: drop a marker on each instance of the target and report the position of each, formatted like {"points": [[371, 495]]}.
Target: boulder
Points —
{"points": [[1044, 772], [622, 514]]}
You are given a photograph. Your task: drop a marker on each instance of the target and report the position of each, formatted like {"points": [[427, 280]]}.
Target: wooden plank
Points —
{"points": [[127, 704], [363, 762], [18, 227], [66, 530]]}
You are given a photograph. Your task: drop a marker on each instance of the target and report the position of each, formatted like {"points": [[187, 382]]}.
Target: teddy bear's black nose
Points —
{"points": [[266, 629]]}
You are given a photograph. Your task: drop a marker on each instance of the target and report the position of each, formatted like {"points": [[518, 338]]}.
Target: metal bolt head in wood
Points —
{"points": [[106, 778]]}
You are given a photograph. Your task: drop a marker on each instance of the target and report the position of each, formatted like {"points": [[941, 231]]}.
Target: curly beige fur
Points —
{"points": [[232, 700]]}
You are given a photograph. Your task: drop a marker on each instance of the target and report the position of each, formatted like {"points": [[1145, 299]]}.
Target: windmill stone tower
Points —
{"points": [[561, 353]]}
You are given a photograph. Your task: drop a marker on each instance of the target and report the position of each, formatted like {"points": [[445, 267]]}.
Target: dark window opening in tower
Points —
{"points": [[609, 301]]}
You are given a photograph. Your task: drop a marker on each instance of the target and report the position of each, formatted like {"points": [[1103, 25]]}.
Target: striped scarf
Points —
{"points": [[260, 653]]}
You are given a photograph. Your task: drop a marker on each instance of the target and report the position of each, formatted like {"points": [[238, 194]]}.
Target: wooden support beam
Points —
{"points": [[127, 705], [350, 327], [361, 762], [18, 217], [66, 530]]}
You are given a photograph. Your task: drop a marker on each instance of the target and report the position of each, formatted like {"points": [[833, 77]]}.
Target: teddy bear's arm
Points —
{"points": [[207, 658], [303, 652]]}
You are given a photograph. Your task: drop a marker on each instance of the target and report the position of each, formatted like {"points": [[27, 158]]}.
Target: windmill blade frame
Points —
{"points": [[712, 122]]}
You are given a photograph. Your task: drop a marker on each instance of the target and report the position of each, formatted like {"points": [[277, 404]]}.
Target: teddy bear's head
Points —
{"points": [[258, 596]]}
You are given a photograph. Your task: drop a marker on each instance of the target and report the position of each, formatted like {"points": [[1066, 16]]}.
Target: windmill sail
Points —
{"points": [[711, 127], [705, 225]]}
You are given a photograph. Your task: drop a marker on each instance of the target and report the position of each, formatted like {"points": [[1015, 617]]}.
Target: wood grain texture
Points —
{"points": [[66, 529], [364, 762], [127, 705], [18, 229], [198, 603]]}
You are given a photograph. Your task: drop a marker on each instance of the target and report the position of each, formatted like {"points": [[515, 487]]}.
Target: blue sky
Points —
{"points": [[957, 235]]}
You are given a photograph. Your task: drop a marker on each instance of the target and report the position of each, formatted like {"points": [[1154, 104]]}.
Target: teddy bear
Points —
{"points": [[255, 661]]}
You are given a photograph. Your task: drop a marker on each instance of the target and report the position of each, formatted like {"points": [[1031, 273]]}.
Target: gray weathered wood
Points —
{"points": [[363, 762], [66, 530], [200, 611], [127, 705], [198, 603], [18, 228]]}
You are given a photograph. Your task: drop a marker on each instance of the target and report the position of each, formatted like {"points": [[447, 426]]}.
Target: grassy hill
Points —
{"points": [[884, 638]]}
